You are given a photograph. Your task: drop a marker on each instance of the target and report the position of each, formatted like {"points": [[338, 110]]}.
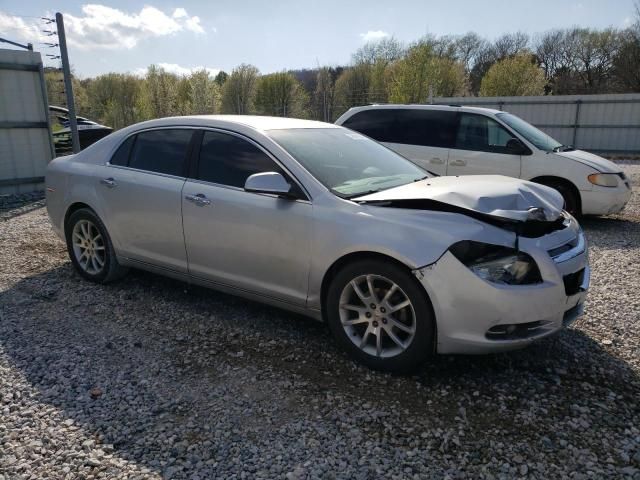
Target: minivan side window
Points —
{"points": [[161, 151], [428, 128], [481, 133], [377, 124], [229, 160]]}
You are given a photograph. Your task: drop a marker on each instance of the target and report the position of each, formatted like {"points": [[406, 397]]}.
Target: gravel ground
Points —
{"points": [[152, 378]]}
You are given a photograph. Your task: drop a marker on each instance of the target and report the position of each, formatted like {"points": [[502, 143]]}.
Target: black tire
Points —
{"points": [[110, 270], [421, 345], [571, 199]]}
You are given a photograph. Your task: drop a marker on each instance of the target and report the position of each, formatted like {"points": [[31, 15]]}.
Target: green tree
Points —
{"points": [[352, 86], [116, 99], [204, 93], [280, 94], [161, 92], [221, 77], [238, 91], [421, 72], [513, 76]]}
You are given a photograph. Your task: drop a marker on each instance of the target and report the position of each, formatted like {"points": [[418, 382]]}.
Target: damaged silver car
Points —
{"points": [[323, 221]]}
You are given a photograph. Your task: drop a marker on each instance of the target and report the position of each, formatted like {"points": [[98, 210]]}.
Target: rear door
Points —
{"points": [[481, 148], [141, 192]]}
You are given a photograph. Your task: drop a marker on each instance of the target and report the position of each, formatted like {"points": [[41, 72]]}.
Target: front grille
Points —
{"points": [[573, 282], [554, 252]]}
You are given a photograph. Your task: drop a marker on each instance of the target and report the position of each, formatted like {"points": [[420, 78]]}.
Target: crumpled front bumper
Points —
{"points": [[468, 308]]}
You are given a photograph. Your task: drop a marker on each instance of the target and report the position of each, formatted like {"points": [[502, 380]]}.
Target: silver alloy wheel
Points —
{"points": [[88, 247], [377, 315]]}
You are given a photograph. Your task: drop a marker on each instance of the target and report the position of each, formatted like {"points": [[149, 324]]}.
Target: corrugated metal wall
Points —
{"points": [[25, 136], [598, 123]]}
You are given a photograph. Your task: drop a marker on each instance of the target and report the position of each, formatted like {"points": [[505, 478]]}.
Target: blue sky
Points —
{"points": [[274, 35]]}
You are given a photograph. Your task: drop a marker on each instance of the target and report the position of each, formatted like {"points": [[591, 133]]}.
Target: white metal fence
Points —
{"points": [[597, 123], [26, 146]]}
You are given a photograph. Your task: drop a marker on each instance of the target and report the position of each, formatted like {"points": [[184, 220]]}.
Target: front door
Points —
{"points": [[481, 148], [255, 242]]}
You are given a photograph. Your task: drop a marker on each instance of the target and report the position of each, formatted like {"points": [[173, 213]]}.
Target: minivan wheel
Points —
{"points": [[90, 247], [381, 316], [571, 200]]}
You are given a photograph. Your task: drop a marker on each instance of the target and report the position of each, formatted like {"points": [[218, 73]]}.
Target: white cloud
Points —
{"points": [[193, 24], [627, 22], [102, 27], [179, 13], [16, 29], [178, 69], [374, 35]]}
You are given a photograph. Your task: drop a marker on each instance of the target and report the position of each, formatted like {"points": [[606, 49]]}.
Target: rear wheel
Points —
{"points": [[381, 316], [90, 247]]}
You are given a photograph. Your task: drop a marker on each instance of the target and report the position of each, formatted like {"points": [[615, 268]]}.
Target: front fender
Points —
{"points": [[413, 237]]}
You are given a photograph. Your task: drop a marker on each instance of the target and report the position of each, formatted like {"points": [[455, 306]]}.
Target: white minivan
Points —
{"points": [[457, 140]]}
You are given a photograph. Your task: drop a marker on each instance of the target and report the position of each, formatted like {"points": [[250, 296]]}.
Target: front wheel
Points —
{"points": [[90, 247], [381, 316], [571, 199]]}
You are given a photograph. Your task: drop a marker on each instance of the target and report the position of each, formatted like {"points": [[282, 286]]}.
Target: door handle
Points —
{"points": [[109, 182], [199, 199], [436, 161], [458, 163]]}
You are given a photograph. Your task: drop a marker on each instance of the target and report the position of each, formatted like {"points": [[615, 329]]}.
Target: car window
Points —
{"points": [[377, 124], [230, 160], [121, 157], [161, 151], [429, 128], [481, 133], [432, 128]]}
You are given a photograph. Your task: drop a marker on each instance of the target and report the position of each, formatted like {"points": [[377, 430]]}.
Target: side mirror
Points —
{"points": [[516, 147], [268, 182]]}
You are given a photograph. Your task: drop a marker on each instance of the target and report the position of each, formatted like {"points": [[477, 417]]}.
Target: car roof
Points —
{"points": [[463, 108], [257, 122]]}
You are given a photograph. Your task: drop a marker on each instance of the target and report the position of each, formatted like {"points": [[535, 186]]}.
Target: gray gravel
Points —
{"points": [[152, 378]]}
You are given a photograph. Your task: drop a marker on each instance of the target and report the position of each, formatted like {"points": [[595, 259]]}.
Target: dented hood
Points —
{"points": [[493, 195]]}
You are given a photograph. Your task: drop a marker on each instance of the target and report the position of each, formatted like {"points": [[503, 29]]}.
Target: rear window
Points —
{"points": [[121, 157], [161, 151], [430, 128]]}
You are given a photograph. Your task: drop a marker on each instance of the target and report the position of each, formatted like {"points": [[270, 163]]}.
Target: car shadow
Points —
{"points": [[150, 360]]}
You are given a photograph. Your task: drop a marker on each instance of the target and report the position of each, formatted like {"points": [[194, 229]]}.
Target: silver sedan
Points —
{"points": [[322, 220]]}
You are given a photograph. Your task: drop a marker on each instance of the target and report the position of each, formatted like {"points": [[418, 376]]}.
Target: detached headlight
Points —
{"points": [[497, 264], [604, 179]]}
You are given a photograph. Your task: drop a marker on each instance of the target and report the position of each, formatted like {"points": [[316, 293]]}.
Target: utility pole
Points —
{"points": [[68, 87]]}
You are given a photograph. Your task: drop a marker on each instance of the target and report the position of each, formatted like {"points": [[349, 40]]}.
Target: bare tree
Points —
{"points": [[325, 93], [468, 48], [385, 50]]}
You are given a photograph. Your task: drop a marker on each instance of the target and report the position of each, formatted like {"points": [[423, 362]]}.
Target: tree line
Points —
{"points": [[565, 61]]}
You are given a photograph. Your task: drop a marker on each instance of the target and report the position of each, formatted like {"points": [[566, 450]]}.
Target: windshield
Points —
{"points": [[540, 139], [347, 162]]}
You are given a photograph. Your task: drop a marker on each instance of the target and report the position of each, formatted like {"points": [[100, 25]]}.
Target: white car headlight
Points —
{"points": [[497, 264], [604, 179]]}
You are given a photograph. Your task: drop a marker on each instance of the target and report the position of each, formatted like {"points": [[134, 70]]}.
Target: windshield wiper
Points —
{"points": [[360, 194]]}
